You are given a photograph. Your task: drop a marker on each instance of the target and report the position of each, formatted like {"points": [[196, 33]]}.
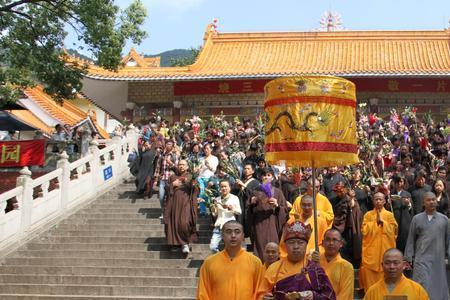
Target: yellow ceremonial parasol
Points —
{"points": [[311, 122]]}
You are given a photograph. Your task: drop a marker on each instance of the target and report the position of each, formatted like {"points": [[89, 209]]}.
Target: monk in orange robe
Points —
{"points": [[306, 217], [379, 230], [339, 271], [294, 277], [232, 273], [394, 284], [324, 207]]}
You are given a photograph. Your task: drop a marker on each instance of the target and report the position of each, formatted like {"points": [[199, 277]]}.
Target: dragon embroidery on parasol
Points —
{"points": [[322, 118]]}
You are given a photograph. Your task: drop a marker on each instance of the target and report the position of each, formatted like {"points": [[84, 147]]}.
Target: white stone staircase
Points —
{"points": [[113, 248]]}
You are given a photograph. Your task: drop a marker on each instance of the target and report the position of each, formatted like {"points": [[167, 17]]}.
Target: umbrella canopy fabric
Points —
{"points": [[10, 123], [311, 121]]}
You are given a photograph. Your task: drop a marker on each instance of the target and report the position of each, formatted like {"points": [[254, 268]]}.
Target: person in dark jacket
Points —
{"points": [[146, 169], [402, 209]]}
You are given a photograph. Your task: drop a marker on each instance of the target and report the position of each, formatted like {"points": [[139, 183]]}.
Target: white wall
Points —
{"points": [[111, 95]]}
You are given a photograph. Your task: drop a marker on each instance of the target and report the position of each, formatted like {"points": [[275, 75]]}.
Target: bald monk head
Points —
{"points": [[271, 253], [393, 265], [429, 202], [379, 199]]}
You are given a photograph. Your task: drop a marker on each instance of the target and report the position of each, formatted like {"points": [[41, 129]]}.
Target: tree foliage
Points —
{"points": [[187, 60], [32, 34]]}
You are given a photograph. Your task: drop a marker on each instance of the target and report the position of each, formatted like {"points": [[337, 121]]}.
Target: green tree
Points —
{"points": [[32, 34], [186, 60]]}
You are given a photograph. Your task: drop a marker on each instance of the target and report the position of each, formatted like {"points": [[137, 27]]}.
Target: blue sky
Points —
{"points": [[173, 24]]}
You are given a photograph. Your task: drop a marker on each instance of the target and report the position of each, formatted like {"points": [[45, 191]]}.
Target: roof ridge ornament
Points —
{"points": [[211, 29], [331, 21]]}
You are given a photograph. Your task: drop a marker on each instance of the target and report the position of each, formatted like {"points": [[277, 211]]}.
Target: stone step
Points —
{"points": [[105, 290], [103, 262], [121, 204], [111, 254], [98, 271], [91, 297], [134, 227], [81, 297], [98, 280], [115, 232], [109, 239], [129, 210], [106, 215], [108, 247], [138, 221]]}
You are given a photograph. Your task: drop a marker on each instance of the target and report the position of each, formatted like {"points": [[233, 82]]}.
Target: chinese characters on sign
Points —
{"points": [[10, 153], [107, 173], [22, 153]]}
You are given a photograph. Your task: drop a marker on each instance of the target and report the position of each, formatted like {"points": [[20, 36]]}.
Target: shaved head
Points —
{"points": [[391, 252], [271, 245]]}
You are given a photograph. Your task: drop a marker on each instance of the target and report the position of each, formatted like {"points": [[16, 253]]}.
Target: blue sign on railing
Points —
{"points": [[107, 173]]}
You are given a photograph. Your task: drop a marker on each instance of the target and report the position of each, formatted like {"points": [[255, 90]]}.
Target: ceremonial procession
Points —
{"points": [[309, 164]]}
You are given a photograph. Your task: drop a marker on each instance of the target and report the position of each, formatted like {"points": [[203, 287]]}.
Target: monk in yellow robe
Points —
{"points": [[394, 283], [294, 275], [307, 218], [379, 230], [339, 271], [324, 207], [232, 273]]}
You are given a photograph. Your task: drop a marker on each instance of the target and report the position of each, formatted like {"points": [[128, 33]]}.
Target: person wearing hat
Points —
{"points": [[294, 277], [379, 231]]}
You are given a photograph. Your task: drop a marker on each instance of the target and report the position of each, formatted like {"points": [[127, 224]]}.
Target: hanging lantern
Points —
{"points": [[311, 121]]}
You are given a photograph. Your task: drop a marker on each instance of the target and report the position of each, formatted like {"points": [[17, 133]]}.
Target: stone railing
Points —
{"points": [[48, 198]]}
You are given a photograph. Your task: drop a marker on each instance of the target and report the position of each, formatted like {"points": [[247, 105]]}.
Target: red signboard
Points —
{"points": [[22, 153], [220, 87]]}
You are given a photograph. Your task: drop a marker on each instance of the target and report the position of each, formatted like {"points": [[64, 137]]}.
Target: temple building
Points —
{"points": [[391, 69], [40, 111]]}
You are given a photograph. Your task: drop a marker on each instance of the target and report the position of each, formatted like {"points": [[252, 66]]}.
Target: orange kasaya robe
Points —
{"points": [[376, 240], [341, 275], [322, 227], [405, 287], [324, 208], [223, 278]]}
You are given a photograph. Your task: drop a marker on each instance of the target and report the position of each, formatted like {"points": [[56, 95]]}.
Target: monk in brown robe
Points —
{"points": [[268, 210], [180, 212]]}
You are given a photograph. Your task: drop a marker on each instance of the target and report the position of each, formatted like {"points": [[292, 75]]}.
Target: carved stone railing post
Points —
{"points": [[26, 206], [64, 183], [95, 163]]}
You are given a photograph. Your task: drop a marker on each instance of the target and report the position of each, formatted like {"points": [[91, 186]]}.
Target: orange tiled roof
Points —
{"points": [[67, 113], [31, 119], [270, 54]]}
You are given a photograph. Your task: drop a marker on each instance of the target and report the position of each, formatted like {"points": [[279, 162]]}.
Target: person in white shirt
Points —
{"points": [[206, 170], [225, 208]]}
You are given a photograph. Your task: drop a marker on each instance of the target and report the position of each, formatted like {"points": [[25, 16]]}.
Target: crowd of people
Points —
{"points": [[387, 216]]}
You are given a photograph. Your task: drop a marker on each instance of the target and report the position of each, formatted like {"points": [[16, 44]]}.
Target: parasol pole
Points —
{"points": [[316, 234]]}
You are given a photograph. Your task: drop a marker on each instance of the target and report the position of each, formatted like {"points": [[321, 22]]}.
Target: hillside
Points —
{"points": [[167, 56]]}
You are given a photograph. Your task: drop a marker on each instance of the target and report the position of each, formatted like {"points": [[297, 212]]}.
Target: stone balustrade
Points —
{"points": [[53, 196]]}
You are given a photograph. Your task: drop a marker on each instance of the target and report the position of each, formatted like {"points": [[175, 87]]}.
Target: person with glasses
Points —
{"points": [[339, 271]]}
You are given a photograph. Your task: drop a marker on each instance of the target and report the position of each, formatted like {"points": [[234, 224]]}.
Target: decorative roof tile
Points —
{"points": [[272, 54], [67, 113]]}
